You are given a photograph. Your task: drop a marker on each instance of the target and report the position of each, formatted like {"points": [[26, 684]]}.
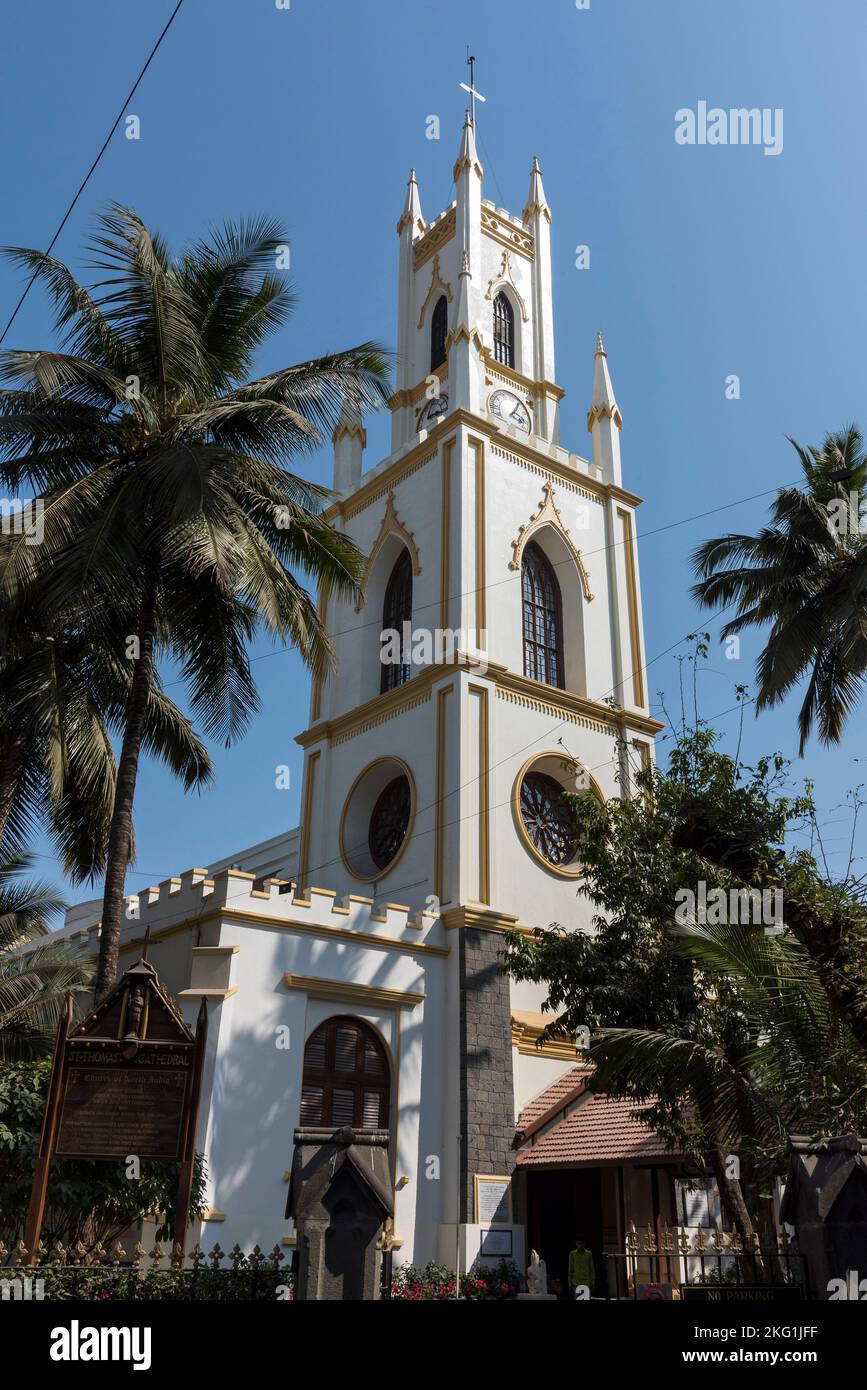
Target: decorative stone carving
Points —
{"points": [[505, 276], [437, 286], [391, 525], [549, 515]]}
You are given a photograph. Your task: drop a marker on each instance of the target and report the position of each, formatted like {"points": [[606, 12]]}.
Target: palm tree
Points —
{"points": [[33, 982], [58, 703], [168, 513], [767, 1057], [806, 575]]}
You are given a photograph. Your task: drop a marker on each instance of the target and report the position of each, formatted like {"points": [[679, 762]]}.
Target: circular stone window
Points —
{"points": [[389, 821], [544, 815], [377, 819]]}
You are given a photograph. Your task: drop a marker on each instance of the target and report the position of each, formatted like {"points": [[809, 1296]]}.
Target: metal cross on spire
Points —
{"points": [[471, 89]]}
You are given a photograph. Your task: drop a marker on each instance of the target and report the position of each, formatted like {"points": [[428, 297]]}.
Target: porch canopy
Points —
{"points": [[568, 1127]]}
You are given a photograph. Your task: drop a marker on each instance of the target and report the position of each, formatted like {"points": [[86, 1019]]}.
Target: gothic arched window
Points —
{"points": [[543, 619], [504, 331], [438, 327], [346, 1077], [397, 610]]}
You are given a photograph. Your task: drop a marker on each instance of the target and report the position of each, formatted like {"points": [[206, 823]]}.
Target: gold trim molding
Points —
{"points": [[481, 691], [527, 1028], [480, 917], [437, 283], [510, 685], [500, 229], [632, 605], [572, 870], [346, 992], [435, 238], [391, 525], [548, 514], [439, 825], [520, 452], [505, 276], [477, 447]]}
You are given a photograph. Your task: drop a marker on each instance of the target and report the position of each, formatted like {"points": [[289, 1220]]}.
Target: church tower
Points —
{"points": [[496, 655]]}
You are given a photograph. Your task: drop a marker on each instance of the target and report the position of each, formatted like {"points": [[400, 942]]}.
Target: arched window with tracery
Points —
{"points": [[346, 1077], [438, 329], [504, 331], [397, 610], [543, 618]]}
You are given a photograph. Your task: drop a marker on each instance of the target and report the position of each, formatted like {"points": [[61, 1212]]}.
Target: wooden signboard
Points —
{"points": [[111, 1107], [125, 1082]]}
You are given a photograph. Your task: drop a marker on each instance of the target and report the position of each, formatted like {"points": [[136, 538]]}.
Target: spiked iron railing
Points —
{"points": [[162, 1273], [679, 1257]]}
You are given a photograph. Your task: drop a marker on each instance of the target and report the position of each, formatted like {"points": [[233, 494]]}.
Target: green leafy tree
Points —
{"points": [[169, 514], [806, 575], [724, 1030]]}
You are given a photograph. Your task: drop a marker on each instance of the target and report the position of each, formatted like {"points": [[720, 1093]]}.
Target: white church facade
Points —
{"points": [[352, 965]]}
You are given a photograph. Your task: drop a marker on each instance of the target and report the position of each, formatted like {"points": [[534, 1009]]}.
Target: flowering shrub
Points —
{"points": [[438, 1282]]}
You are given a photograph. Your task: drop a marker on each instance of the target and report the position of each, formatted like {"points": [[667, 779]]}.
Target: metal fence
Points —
{"points": [[674, 1262], [161, 1273]]}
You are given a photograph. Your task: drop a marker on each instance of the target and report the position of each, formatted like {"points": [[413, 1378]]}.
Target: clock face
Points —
{"points": [[433, 411], [506, 406]]}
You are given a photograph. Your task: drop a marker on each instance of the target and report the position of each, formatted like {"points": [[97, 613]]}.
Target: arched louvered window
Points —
{"points": [[438, 329], [346, 1077], [543, 618], [504, 331], [397, 610]]}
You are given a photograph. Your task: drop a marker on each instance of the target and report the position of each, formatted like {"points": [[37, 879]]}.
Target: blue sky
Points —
{"points": [[705, 261]]}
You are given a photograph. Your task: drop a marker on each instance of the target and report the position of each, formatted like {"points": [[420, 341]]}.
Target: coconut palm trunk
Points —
{"points": [[121, 834], [733, 1202]]}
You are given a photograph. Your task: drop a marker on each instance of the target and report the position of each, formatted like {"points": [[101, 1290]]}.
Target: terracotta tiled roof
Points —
{"points": [[557, 1091], [596, 1129]]}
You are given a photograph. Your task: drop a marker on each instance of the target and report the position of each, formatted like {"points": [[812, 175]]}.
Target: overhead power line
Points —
{"points": [[84, 182]]}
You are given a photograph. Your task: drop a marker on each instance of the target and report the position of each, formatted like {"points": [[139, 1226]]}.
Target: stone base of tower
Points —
{"points": [[491, 1221]]}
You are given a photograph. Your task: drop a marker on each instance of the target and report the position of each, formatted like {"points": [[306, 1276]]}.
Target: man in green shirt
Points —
{"points": [[582, 1272]]}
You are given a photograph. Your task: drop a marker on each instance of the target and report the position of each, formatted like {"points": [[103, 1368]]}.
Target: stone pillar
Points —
{"points": [[826, 1201], [340, 1194], [487, 1097]]}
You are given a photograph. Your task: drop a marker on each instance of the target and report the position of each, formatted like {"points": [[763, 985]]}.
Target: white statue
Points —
{"points": [[537, 1276]]}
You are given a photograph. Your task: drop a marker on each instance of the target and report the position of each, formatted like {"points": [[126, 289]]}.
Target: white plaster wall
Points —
{"points": [[253, 1103], [533, 1075]]}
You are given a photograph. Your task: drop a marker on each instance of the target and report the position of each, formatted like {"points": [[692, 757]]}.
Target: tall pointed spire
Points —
{"points": [[603, 402], [536, 201], [467, 155], [604, 421], [411, 215], [537, 220]]}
